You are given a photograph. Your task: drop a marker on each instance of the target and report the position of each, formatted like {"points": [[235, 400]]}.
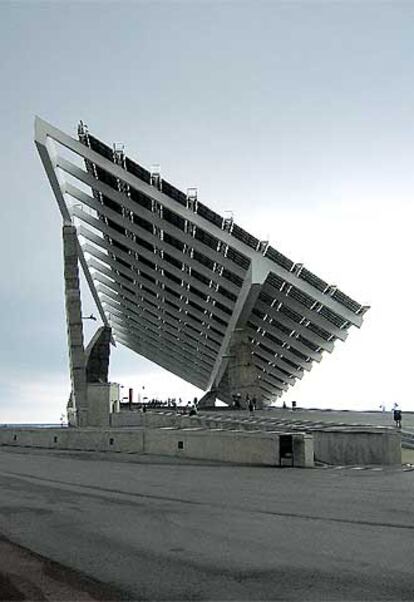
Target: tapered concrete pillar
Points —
{"points": [[234, 373], [74, 324], [240, 378], [97, 356], [208, 400]]}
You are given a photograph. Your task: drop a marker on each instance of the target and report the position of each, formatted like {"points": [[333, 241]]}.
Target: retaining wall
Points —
{"points": [[333, 446], [214, 445], [254, 448], [341, 447], [86, 439], [337, 446]]}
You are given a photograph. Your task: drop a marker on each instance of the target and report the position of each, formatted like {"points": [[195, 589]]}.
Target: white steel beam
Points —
{"points": [[159, 275], [140, 297], [44, 129], [263, 364], [130, 243], [47, 153], [131, 206], [299, 328], [159, 329], [158, 358], [184, 358], [180, 360], [280, 350], [180, 315], [163, 321], [154, 353], [278, 361], [310, 314], [285, 338], [183, 317]]}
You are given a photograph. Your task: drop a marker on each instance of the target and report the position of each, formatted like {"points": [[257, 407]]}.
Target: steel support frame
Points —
{"points": [[213, 363]]}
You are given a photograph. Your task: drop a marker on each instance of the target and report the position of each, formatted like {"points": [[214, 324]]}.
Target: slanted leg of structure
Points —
{"points": [[74, 326], [208, 400], [91, 396], [97, 356]]}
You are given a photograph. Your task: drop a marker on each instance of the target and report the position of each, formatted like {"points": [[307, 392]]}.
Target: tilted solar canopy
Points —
{"points": [[175, 280]]}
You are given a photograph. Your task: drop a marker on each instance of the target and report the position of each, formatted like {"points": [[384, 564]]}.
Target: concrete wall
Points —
{"points": [[357, 447], [101, 398], [332, 446], [88, 439], [223, 446], [337, 446]]}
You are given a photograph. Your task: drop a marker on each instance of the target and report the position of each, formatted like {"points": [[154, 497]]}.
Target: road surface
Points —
{"points": [[166, 529]]}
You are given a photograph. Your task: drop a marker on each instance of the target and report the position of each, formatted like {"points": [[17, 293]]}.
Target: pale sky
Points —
{"points": [[296, 116]]}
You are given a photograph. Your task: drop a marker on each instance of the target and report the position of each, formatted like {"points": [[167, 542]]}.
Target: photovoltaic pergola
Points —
{"points": [[176, 280]]}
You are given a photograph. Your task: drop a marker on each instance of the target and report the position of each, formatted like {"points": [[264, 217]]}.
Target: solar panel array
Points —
{"points": [[169, 272]]}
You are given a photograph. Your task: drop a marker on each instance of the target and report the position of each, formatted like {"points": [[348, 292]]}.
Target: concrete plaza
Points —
{"points": [[327, 416], [166, 529]]}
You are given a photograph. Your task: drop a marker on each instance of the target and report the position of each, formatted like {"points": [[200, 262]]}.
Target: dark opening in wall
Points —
{"points": [[111, 441], [14, 437], [181, 445], [54, 439]]}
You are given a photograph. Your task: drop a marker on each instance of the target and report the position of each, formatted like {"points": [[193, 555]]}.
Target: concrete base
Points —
{"points": [[337, 446], [205, 438], [261, 449], [221, 446], [86, 439], [303, 451], [357, 447], [101, 400]]}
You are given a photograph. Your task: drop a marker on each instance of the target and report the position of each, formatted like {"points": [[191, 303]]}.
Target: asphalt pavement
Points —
{"points": [[156, 528]]}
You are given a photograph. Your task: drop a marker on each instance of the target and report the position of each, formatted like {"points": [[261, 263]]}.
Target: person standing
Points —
{"points": [[249, 404], [397, 417]]}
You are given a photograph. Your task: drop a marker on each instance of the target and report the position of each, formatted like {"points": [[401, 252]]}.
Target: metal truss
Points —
{"points": [[174, 279]]}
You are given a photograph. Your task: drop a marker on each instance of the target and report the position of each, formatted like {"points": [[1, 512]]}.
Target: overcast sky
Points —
{"points": [[297, 116]]}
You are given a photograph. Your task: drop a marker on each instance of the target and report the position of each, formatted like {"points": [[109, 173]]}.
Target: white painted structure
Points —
{"points": [[174, 280]]}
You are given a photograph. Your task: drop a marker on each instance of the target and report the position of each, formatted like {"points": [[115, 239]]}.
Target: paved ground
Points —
{"points": [[25, 575], [335, 416], [163, 529]]}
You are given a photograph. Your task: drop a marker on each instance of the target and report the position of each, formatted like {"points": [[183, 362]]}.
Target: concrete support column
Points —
{"points": [[234, 371], [74, 324], [241, 377]]}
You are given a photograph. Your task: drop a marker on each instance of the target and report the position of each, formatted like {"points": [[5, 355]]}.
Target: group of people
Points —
{"points": [[249, 402], [284, 406], [238, 403], [171, 403]]}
